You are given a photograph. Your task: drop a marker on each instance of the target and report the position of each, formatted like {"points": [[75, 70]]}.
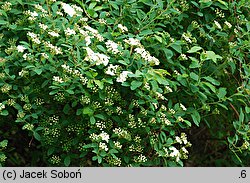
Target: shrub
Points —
{"points": [[119, 83]]}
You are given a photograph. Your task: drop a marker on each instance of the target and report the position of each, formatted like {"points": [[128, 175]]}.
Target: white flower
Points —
{"points": [[103, 146], [53, 34], [111, 70], [91, 29], [183, 107], [20, 48], [132, 41], [33, 14], [2, 106], [184, 150], [122, 28], [112, 47], [104, 136], [69, 31], [217, 24], [97, 58], [77, 8], [57, 79], [68, 9], [175, 152], [43, 26], [228, 24], [123, 76], [168, 89]]}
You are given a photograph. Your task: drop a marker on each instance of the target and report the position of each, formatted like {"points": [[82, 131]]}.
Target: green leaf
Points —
{"points": [[92, 120], [38, 71], [194, 49], [88, 110], [211, 55], [210, 86], [222, 93], [194, 76], [168, 53], [195, 63], [70, 91], [4, 113], [158, 38], [66, 109], [3, 22], [247, 109], [212, 80], [50, 151], [135, 84], [36, 135], [176, 47], [67, 160], [100, 116], [241, 118], [196, 117]]}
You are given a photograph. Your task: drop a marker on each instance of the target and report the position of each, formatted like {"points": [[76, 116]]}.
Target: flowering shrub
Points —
{"points": [[117, 83]]}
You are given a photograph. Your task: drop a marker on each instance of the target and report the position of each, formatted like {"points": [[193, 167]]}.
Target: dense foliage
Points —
{"points": [[124, 83]]}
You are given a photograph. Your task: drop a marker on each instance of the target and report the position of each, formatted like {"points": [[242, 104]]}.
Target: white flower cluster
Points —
{"points": [[140, 159], [146, 56], [43, 26], [75, 73], [57, 79], [182, 139], [53, 49], [53, 34], [183, 107], [34, 37], [112, 47], [122, 133], [117, 145], [2, 106], [133, 42], [123, 76], [32, 15], [103, 146], [20, 48], [69, 32], [122, 28], [217, 24], [40, 8], [6, 6], [112, 69], [96, 58], [228, 24], [102, 136], [188, 37], [68, 9], [94, 32], [175, 153]]}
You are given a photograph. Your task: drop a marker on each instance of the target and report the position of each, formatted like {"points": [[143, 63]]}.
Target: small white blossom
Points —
{"points": [[20, 48], [57, 79], [104, 136], [132, 41], [103, 146], [69, 32], [68, 9], [43, 26], [228, 24], [112, 47], [183, 107], [111, 70], [122, 28], [123, 76], [217, 24], [53, 34]]}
